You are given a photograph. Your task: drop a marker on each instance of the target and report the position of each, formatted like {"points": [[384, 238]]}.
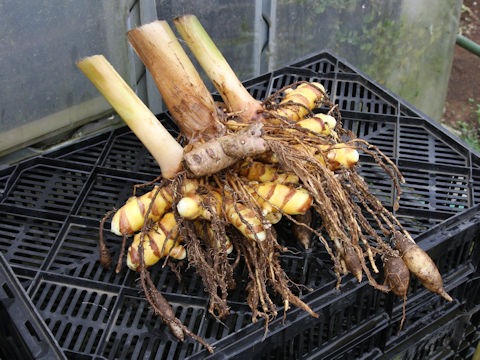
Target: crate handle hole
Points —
{"points": [[31, 330], [8, 291]]}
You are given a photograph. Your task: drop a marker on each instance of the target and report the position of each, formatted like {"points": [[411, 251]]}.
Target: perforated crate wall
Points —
{"points": [[51, 206]]}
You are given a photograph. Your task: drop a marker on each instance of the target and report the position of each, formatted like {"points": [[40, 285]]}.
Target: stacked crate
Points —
{"points": [[51, 205]]}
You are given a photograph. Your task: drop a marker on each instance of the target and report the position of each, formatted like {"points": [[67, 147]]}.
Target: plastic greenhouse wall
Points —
{"points": [[41, 90], [406, 45]]}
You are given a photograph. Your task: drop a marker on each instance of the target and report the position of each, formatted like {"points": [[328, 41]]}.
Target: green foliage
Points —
{"points": [[470, 133]]}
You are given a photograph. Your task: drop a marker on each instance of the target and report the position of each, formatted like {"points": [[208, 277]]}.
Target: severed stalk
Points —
{"points": [[190, 103], [293, 107], [164, 148], [180, 85], [236, 97]]}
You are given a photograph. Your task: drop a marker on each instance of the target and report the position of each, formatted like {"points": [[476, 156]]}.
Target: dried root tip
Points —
{"points": [[320, 123], [118, 268], [301, 233], [167, 314], [288, 199], [176, 330], [157, 244], [258, 171], [444, 294], [352, 261], [397, 275], [165, 311], [297, 102], [420, 264], [105, 258]]}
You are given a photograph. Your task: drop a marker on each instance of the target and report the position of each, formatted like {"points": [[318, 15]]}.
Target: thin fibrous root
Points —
{"points": [[157, 301], [122, 254], [265, 256]]}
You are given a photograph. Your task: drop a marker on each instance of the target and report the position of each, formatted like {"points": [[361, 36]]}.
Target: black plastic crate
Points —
{"points": [[451, 333], [23, 333], [95, 313]]}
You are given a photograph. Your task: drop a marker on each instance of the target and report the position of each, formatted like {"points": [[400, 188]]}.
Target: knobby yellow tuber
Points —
{"points": [[130, 217], [158, 242], [258, 171]]}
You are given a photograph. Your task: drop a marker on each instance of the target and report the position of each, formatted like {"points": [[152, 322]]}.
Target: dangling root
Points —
{"points": [[157, 301], [104, 255], [263, 260], [209, 258], [341, 217], [122, 254]]}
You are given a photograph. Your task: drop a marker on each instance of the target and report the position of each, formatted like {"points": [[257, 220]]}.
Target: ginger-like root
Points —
{"points": [[245, 220], [288, 199], [338, 156], [333, 156], [322, 124], [191, 207], [130, 217], [258, 171], [159, 241], [297, 102]]}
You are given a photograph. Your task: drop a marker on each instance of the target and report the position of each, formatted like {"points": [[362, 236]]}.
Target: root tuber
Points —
{"points": [[130, 217], [397, 275], [420, 264], [258, 171], [160, 241]]}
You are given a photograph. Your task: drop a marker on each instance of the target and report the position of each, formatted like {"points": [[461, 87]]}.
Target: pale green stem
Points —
{"points": [[234, 94], [163, 147]]}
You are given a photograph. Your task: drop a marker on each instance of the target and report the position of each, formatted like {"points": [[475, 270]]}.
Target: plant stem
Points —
{"points": [[236, 97], [182, 89], [164, 148]]}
